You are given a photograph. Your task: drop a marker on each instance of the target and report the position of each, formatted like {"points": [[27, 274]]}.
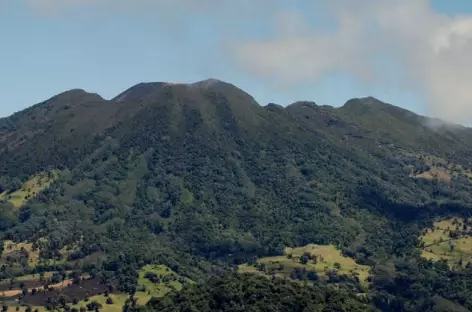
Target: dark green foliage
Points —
{"points": [[251, 293], [201, 178], [92, 306]]}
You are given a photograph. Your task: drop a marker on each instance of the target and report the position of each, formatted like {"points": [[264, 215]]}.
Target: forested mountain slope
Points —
{"points": [[201, 178]]}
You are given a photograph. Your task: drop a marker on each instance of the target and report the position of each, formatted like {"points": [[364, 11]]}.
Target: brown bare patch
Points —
{"points": [[435, 173]]}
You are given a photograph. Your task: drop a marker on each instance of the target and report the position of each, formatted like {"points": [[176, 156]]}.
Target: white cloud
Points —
{"points": [[433, 51]]}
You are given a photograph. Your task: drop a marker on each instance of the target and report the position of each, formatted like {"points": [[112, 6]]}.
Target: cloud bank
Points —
{"points": [[402, 42], [427, 52]]}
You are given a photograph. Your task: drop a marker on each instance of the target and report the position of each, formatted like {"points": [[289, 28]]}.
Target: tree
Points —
{"points": [[109, 300], [337, 266], [312, 276], [62, 300], [93, 306], [305, 258]]}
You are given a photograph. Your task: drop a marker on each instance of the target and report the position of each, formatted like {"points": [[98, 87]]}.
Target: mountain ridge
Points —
{"points": [[144, 89], [201, 179]]}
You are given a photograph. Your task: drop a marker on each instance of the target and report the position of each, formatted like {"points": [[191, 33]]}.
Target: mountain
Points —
{"points": [[200, 179]]}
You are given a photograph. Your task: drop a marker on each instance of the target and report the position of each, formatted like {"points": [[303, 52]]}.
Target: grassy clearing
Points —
{"points": [[319, 259], [154, 281], [157, 281], [166, 280], [23, 308], [30, 189], [438, 169], [449, 240], [16, 253], [117, 305], [435, 173], [30, 277], [12, 250]]}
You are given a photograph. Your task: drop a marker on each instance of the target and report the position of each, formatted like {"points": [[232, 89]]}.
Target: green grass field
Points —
{"points": [[323, 259], [440, 169], [117, 305], [23, 308], [30, 189], [437, 243], [168, 280], [10, 247]]}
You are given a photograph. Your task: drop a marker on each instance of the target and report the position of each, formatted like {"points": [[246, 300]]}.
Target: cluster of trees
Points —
{"points": [[235, 292], [9, 184]]}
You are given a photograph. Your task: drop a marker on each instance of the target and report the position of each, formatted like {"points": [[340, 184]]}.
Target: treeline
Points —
{"points": [[234, 292]]}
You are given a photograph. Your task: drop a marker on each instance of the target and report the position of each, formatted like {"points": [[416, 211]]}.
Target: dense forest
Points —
{"points": [[201, 178]]}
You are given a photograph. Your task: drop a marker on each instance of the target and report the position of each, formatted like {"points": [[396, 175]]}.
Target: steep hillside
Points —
{"points": [[200, 178]]}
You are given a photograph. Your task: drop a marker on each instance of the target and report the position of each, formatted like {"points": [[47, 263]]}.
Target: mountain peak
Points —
{"points": [[146, 88], [138, 90], [208, 83], [363, 101], [76, 96]]}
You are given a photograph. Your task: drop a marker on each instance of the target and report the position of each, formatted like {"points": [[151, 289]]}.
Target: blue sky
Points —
{"points": [[49, 46]]}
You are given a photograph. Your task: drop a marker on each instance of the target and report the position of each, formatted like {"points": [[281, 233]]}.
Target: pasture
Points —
{"points": [[319, 259], [30, 189], [449, 240]]}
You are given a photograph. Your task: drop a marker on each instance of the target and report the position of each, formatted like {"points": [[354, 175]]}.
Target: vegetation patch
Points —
{"points": [[68, 291], [13, 285], [435, 173], [439, 169], [157, 281], [27, 254], [449, 240], [106, 303], [309, 263], [35, 284], [29, 189], [21, 253]]}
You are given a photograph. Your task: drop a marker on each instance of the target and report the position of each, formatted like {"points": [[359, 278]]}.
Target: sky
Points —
{"points": [[416, 54]]}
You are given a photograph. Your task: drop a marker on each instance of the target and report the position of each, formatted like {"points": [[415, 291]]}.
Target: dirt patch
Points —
{"points": [[80, 291], [16, 292]]}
